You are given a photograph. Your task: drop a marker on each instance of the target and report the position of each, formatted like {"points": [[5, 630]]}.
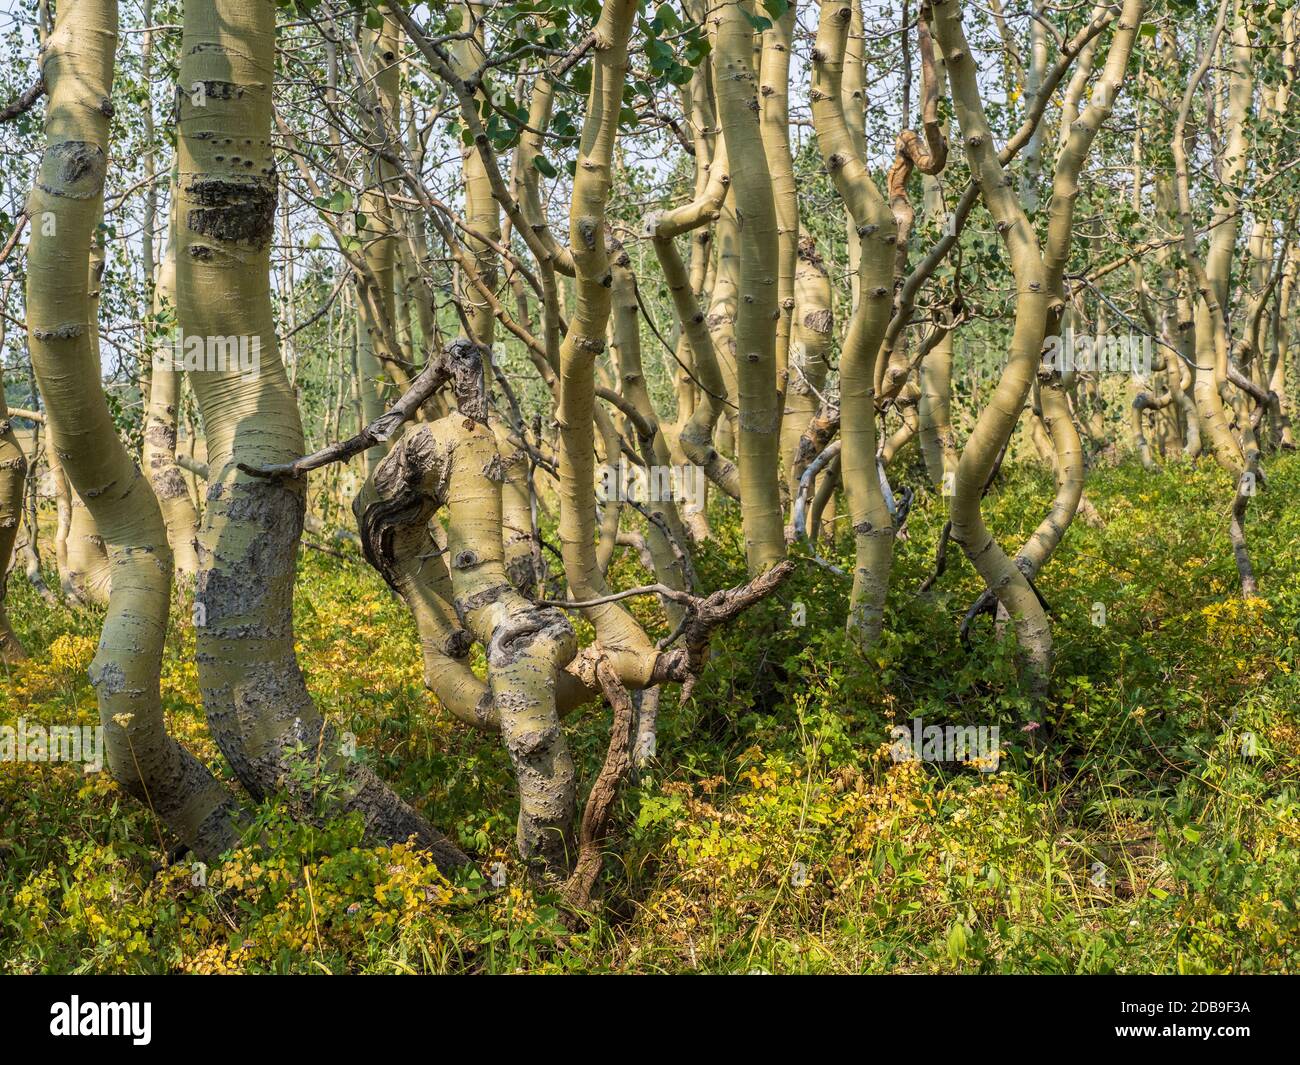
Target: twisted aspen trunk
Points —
{"points": [[454, 463], [998, 419], [1060, 232], [876, 233], [702, 339], [258, 707], [630, 650], [77, 68], [1209, 279]]}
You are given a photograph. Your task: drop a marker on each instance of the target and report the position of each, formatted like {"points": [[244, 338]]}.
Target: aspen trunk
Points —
{"points": [[998, 419], [160, 436], [258, 707], [757, 309], [876, 233], [630, 650], [78, 71], [809, 346], [13, 473]]}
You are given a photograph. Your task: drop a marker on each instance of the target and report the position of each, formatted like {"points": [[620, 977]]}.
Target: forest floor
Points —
{"points": [[1151, 823]]}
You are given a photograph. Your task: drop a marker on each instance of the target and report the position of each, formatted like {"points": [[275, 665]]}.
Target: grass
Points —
{"points": [[1150, 825]]}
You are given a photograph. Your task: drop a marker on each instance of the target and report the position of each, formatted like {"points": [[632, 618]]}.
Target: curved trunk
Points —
{"points": [[1209, 280], [629, 648], [998, 419], [258, 707], [876, 233], [454, 463], [78, 68]]}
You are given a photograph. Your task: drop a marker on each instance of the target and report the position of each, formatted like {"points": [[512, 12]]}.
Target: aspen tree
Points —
{"points": [[77, 66], [810, 341], [1037, 297], [774, 126], [1208, 280], [13, 473], [876, 233], [757, 308], [257, 704]]}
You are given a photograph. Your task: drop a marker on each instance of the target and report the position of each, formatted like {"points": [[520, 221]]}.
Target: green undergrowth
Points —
{"points": [[1148, 819]]}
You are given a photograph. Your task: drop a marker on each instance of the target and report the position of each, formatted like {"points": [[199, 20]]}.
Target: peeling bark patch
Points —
{"points": [[67, 331], [528, 745], [108, 680], [221, 90], [169, 484], [236, 211], [495, 469], [73, 170], [818, 321], [481, 599], [458, 644]]}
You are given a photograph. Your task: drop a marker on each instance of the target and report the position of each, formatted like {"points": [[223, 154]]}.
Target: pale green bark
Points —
{"points": [[876, 233], [257, 703], [757, 310], [13, 473], [77, 66]]}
